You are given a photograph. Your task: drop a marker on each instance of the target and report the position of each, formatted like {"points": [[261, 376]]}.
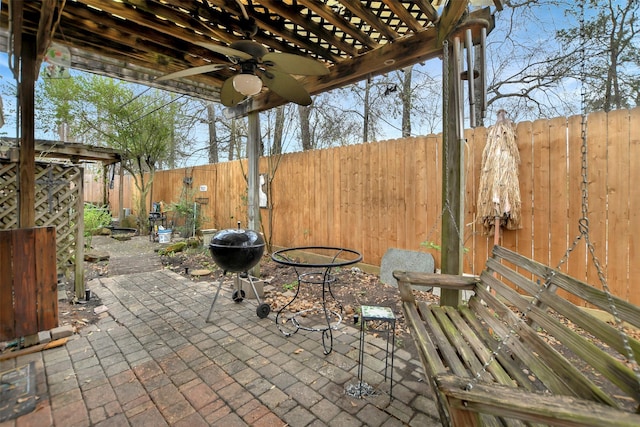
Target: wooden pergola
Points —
{"points": [[141, 40]]}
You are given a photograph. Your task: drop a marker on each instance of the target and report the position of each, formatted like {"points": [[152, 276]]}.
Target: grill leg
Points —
{"points": [[214, 301]]}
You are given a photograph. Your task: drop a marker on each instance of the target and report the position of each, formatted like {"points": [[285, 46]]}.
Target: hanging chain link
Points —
{"points": [[583, 223]]}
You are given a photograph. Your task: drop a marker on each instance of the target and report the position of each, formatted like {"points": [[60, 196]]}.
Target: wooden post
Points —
{"points": [[79, 264], [27, 165], [253, 178], [452, 178], [121, 196]]}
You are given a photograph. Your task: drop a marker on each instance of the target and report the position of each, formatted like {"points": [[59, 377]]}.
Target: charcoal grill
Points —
{"points": [[237, 251]]}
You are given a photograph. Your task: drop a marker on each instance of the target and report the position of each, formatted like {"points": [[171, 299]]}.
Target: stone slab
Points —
{"points": [[96, 256], [62, 332], [402, 259], [30, 340], [44, 337]]}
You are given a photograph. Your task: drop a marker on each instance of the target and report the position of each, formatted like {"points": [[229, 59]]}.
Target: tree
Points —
{"points": [[534, 77], [107, 112], [610, 51]]}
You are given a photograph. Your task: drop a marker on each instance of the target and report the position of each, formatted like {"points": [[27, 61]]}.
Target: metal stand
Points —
{"points": [[238, 295], [155, 219], [379, 314], [317, 277]]}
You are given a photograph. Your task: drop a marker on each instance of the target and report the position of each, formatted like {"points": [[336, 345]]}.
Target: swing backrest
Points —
{"points": [[515, 352], [584, 337]]}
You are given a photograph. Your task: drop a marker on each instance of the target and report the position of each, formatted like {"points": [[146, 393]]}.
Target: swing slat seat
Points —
{"points": [[558, 364]]}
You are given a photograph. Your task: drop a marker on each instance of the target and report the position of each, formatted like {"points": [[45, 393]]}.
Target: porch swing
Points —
{"points": [[528, 357]]}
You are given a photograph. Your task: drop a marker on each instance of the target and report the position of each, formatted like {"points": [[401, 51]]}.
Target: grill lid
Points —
{"points": [[237, 238]]}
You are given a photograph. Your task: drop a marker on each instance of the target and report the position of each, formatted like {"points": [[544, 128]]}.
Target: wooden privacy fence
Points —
{"points": [[374, 196], [28, 282]]}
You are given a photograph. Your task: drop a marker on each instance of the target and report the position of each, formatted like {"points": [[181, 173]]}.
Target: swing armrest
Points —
{"points": [[426, 281], [499, 400]]}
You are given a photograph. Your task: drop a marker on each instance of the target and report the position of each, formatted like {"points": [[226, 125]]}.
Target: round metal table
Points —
{"points": [[320, 274]]}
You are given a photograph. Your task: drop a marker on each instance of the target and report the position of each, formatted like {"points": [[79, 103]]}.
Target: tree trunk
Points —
{"points": [[213, 138], [305, 132], [365, 113], [278, 131], [232, 139], [172, 149], [406, 102]]}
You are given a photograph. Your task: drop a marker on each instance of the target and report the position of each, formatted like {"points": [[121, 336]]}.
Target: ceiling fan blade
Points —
{"points": [[228, 95], [227, 51], [192, 71], [286, 86], [295, 64]]}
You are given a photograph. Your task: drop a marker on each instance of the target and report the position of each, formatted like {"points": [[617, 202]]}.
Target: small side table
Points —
{"points": [[384, 315]]}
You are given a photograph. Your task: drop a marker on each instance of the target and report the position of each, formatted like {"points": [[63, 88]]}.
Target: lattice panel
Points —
{"points": [[57, 188], [8, 195], [57, 192]]}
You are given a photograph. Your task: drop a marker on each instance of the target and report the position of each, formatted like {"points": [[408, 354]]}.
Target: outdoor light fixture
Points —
{"points": [[247, 84]]}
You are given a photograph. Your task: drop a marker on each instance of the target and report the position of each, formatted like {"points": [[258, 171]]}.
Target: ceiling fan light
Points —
{"points": [[247, 84]]}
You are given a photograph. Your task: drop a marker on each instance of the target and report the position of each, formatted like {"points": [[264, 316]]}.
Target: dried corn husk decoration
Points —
{"points": [[499, 191]]}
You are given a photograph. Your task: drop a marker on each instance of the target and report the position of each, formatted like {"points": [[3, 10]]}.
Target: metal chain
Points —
{"points": [[583, 223]]}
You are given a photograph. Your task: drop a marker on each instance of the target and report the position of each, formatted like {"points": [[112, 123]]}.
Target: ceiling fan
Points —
{"points": [[258, 66]]}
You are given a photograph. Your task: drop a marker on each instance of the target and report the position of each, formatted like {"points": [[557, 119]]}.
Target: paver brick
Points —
{"points": [[40, 416], [304, 394], [235, 395], [214, 417], [344, 419], [177, 411], [98, 396], [113, 421], [129, 391], [73, 414], [137, 406], [166, 396], [65, 399], [268, 420], [372, 416], [193, 420], [325, 410], [298, 416], [151, 417], [230, 420], [199, 395], [97, 414]]}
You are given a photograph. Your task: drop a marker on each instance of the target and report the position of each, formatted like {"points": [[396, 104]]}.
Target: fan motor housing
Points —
{"points": [[252, 48]]}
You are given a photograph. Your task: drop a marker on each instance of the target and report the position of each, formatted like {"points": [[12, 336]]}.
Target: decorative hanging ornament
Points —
{"points": [[57, 62]]}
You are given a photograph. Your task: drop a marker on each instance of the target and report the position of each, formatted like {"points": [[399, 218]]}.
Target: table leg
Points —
{"points": [[278, 325]]}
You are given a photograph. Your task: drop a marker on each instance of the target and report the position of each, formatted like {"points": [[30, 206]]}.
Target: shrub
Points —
{"points": [[95, 218]]}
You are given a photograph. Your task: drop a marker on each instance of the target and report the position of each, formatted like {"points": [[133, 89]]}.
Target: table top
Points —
{"points": [[335, 258]]}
